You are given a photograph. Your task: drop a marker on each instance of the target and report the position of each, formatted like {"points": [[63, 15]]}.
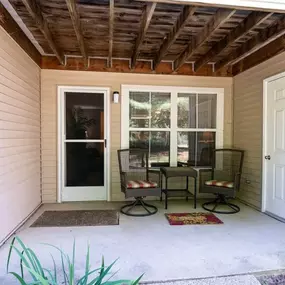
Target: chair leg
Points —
{"points": [[216, 203], [128, 209], [166, 194], [195, 193], [131, 206], [161, 188], [146, 206], [187, 187], [221, 200]]}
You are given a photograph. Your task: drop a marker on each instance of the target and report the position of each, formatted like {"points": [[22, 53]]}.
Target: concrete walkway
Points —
{"points": [[247, 242], [232, 280]]}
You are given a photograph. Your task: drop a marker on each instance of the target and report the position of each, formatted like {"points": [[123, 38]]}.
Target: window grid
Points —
{"points": [[174, 129]]}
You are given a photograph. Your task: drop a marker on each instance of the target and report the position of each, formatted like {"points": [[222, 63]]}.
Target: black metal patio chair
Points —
{"points": [[138, 181], [223, 180]]}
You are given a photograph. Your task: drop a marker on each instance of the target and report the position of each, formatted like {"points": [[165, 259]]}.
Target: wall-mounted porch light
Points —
{"points": [[116, 96]]}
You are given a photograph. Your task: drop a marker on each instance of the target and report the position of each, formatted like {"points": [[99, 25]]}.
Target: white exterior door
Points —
{"points": [[274, 147], [83, 138]]}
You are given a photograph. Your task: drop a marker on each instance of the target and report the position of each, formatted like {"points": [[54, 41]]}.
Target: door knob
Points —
{"points": [[268, 157]]}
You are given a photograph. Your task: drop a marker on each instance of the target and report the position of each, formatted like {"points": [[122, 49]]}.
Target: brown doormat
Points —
{"points": [[180, 219], [77, 218]]}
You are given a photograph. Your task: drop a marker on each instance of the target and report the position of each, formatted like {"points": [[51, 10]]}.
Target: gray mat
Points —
{"points": [[276, 279], [77, 218]]}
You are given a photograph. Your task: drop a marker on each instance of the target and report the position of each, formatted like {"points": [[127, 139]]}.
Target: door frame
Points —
{"points": [[264, 136], [61, 89]]}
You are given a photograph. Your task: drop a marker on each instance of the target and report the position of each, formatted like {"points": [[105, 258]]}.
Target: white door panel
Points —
{"points": [[275, 148]]}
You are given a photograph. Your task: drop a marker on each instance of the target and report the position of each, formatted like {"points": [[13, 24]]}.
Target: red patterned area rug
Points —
{"points": [[180, 219]]}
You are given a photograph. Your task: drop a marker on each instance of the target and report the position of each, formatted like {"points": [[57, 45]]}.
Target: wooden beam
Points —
{"points": [[122, 66], [12, 28], [217, 21], [35, 12], [75, 18], [263, 38], [276, 6], [111, 31], [146, 18], [179, 25], [251, 22], [263, 54]]}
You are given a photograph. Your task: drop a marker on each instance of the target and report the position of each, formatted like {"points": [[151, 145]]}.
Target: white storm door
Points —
{"points": [[274, 150], [83, 133]]}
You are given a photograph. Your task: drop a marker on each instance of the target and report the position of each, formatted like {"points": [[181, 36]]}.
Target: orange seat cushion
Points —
{"points": [[218, 183], [135, 184]]}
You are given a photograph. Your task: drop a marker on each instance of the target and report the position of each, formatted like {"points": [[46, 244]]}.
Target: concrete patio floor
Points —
{"points": [[247, 242]]}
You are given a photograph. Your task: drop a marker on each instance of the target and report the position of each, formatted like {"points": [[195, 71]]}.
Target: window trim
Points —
{"points": [[173, 90]]}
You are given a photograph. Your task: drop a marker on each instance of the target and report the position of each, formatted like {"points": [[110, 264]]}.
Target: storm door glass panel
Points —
{"points": [[84, 139], [186, 110], [84, 164], [84, 113], [207, 111]]}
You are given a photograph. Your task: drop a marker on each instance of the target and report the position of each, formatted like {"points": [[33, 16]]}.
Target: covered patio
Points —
{"points": [[247, 242], [82, 79]]}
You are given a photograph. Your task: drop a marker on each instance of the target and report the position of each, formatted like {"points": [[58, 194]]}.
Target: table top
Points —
{"points": [[178, 171]]}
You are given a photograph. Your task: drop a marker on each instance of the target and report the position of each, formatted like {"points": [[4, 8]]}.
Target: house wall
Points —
{"points": [[50, 79], [248, 122], [19, 135]]}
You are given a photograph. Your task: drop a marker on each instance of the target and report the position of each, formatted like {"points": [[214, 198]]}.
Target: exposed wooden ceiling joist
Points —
{"points": [[75, 18], [111, 31], [277, 6], [166, 39], [179, 25], [251, 22], [219, 19], [146, 18], [12, 28], [35, 12], [263, 38], [274, 48]]}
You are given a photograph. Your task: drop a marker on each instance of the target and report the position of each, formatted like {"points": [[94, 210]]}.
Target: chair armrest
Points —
{"points": [[181, 163], [204, 175], [155, 176], [205, 170], [189, 163], [123, 178], [237, 181], [155, 171]]}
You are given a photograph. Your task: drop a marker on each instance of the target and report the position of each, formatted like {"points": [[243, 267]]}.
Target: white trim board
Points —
{"points": [[262, 5], [84, 89]]}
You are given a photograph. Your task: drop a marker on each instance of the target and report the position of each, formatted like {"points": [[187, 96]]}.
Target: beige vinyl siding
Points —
{"points": [[20, 182], [50, 79], [248, 124]]}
